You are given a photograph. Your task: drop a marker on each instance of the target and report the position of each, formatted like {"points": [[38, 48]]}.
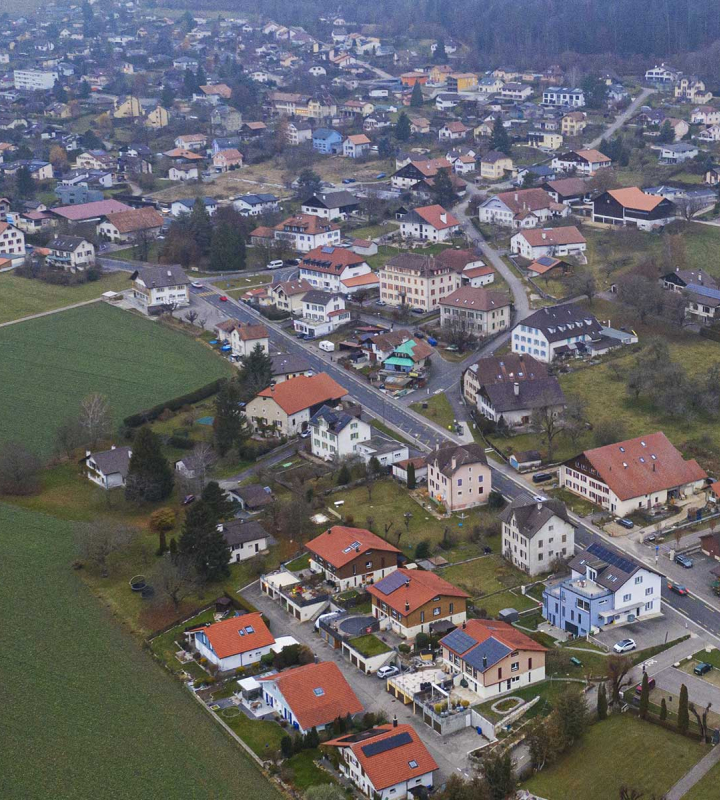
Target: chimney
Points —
{"points": [[464, 624], [539, 505], [87, 454], [112, 446], [516, 389], [453, 464], [544, 235], [407, 606], [443, 218], [394, 720], [516, 197], [484, 662]]}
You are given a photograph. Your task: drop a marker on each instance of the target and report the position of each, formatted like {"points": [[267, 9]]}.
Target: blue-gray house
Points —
{"points": [[327, 140], [605, 588]]}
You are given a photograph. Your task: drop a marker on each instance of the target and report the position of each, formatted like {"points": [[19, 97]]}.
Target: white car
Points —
{"points": [[625, 646], [196, 285], [277, 264], [388, 672]]}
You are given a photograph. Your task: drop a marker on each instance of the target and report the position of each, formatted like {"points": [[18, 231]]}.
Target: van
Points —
{"points": [[328, 347]]}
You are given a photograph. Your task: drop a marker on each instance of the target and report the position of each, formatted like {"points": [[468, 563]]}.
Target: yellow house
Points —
{"points": [[129, 108], [545, 140], [573, 123], [692, 90], [494, 165], [439, 73], [157, 118], [462, 81]]}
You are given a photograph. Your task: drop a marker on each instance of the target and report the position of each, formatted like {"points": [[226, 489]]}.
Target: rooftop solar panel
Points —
{"points": [[458, 641], [384, 745], [705, 291], [392, 582], [609, 556], [491, 649]]}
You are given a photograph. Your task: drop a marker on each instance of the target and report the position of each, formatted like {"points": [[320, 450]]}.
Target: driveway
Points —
{"points": [[450, 753], [623, 118], [647, 633]]}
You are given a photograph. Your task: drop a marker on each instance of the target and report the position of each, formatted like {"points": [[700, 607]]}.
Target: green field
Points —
{"points": [[621, 750], [48, 365], [22, 297], [91, 715]]}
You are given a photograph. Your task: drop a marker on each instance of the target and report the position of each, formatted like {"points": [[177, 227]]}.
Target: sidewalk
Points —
{"points": [[683, 786], [48, 313]]}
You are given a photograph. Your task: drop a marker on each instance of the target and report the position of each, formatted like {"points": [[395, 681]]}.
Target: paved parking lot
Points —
{"points": [[647, 633]]}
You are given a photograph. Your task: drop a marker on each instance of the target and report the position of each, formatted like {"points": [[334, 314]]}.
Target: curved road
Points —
{"points": [[623, 118]]}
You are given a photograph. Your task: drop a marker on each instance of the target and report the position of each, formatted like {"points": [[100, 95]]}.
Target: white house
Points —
{"points": [[386, 450], [12, 242], [429, 223], [584, 162], [562, 96], [71, 253], [661, 75], [535, 533], [154, 287], [534, 243], [524, 208], [334, 433], [331, 205], [108, 468], [322, 313], [550, 331], [245, 337], [235, 642], [333, 269], [305, 232], [311, 696], [253, 205], [183, 172], [705, 115], [245, 539], [125, 226], [356, 146], [386, 762]]}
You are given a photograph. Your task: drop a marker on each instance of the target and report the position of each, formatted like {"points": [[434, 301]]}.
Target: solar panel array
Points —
{"points": [[704, 291], [384, 745], [392, 582], [612, 558], [458, 641], [491, 649]]}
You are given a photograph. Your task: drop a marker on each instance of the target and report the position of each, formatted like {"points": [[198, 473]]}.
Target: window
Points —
{"points": [[638, 579], [515, 666], [529, 663], [422, 616], [436, 611], [648, 590], [452, 607], [648, 606], [626, 597], [318, 692], [412, 764], [368, 565]]}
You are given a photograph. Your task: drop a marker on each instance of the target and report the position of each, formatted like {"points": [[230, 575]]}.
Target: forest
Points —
{"points": [[521, 32]]}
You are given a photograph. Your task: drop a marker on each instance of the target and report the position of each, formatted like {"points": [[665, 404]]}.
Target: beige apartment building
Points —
{"points": [[459, 476], [417, 281]]}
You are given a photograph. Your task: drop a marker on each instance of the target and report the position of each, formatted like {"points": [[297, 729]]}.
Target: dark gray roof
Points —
{"points": [[112, 462], [531, 394], [66, 244], [332, 200], [613, 569], [238, 532], [563, 322], [319, 297], [254, 495], [531, 514], [336, 420], [463, 454], [284, 364], [491, 649], [159, 277]]}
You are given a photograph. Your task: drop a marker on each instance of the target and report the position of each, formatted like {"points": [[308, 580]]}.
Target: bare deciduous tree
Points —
{"points": [[174, 579], [191, 316], [19, 469], [98, 541], [617, 670], [95, 418]]}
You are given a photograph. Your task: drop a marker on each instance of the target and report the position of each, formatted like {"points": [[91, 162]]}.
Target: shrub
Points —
{"points": [[423, 549], [404, 648], [162, 520], [176, 404]]}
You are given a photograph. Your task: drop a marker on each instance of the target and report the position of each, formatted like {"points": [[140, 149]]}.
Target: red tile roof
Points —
{"points": [[643, 465], [312, 709], [481, 629], [539, 237], [476, 298], [369, 279], [303, 392], [419, 588], [136, 219], [249, 333], [434, 214], [340, 545], [457, 259], [525, 200], [332, 260], [635, 198], [393, 765], [308, 224], [98, 208], [226, 640]]}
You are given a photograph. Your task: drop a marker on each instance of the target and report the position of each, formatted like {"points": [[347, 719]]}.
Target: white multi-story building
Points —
{"points": [[335, 433], [322, 313], [154, 287], [32, 80], [562, 96], [331, 268], [552, 330]]}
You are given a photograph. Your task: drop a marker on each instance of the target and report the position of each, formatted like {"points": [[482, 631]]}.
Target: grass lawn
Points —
{"points": [[262, 736], [48, 365], [383, 428], [548, 691], [438, 410], [707, 788], [373, 231], [620, 750], [95, 697], [306, 772], [300, 563], [485, 576], [713, 657], [128, 253], [369, 645], [22, 297]]}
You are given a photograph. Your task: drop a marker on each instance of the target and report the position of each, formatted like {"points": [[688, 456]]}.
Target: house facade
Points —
{"points": [[329, 268], [553, 331], [417, 281], [305, 232], [429, 223], [288, 295], [244, 338], [479, 311], [534, 243], [632, 206], [335, 434], [71, 253], [459, 476], [322, 313], [244, 539], [108, 468], [235, 642], [155, 287]]}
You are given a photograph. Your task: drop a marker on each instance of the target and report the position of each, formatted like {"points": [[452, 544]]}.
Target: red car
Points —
{"points": [[651, 686], [677, 588], [223, 298]]}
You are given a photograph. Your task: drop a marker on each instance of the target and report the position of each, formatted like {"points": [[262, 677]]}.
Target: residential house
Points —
{"points": [[569, 191], [510, 388], [516, 91], [285, 367], [680, 279], [386, 450], [305, 232], [331, 205], [125, 226], [536, 242], [288, 295], [524, 208], [356, 146], [562, 96], [334, 433], [327, 141], [478, 311], [253, 205], [161, 286], [322, 313], [495, 165], [573, 123], [186, 205], [462, 82], [412, 173], [352, 557], [459, 476], [228, 159], [288, 407], [632, 206], [536, 532], [157, 118], [108, 468], [235, 642], [191, 141], [472, 269], [554, 331], [677, 153], [12, 242], [492, 658], [709, 134], [298, 132], [690, 89], [662, 75], [245, 539], [253, 497], [548, 141], [401, 469], [679, 127], [417, 281], [705, 115], [387, 762], [605, 588], [408, 600], [310, 697], [335, 269], [454, 131], [246, 337], [643, 472], [70, 252], [429, 223], [585, 162], [410, 357]]}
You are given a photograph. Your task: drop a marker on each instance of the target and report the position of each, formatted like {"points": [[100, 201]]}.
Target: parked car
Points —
{"points": [[417, 310], [305, 434], [541, 477], [625, 646], [276, 264], [625, 523], [196, 285], [223, 298], [651, 686], [380, 176], [348, 180], [380, 303], [189, 498], [292, 262], [678, 588], [702, 668], [684, 561], [387, 672]]}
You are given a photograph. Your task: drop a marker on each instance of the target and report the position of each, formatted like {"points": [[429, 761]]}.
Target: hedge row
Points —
{"points": [[710, 333], [135, 420]]}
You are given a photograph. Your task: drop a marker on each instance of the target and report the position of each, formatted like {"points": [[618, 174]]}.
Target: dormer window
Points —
{"points": [[590, 573]]}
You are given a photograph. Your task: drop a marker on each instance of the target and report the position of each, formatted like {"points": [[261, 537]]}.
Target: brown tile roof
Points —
{"points": [[593, 155], [340, 545], [291, 288], [434, 216], [358, 138], [635, 198], [369, 279], [181, 152], [430, 166], [136, 219], [331, 259], [308, 223], [249, 332], [393, 765], [525, 200], [226, 640], [219, 89], [303, 392], [442, 457], [263, 231], [643, 465], [418, 589], [426, 266], [457, 259], [537, 237], [98, 208], [509, 368], [476, 272], [310, 708], [476, 299]]}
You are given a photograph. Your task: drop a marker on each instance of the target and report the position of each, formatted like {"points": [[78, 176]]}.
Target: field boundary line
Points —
{"points": [[52, 311]]}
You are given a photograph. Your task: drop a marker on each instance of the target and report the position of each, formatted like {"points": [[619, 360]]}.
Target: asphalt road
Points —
{"points": [[623, 118]]}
